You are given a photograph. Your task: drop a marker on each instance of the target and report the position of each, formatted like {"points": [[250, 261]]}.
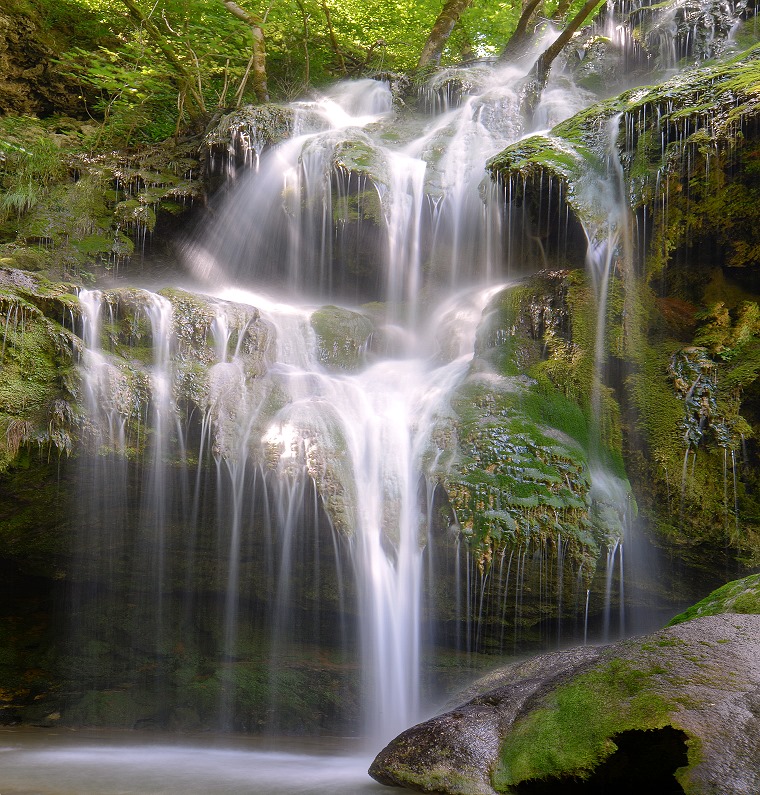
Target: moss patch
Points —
{"points": [[739, 596], [571, 734]]}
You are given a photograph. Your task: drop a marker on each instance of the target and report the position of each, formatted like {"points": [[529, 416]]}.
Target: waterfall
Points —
{"points": [[287, 422], [360, 436]]}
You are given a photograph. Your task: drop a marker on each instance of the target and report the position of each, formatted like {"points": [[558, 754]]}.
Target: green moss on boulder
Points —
{"points": [[740, 596], [558, 717], [342, 337]]}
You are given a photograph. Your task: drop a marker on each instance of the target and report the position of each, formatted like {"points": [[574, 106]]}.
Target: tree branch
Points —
{"points": [[333, 39], [155, 35], [545, 60], [518, 41]]}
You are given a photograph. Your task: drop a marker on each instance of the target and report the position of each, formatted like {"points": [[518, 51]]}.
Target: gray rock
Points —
{"points": [[558, 716]]}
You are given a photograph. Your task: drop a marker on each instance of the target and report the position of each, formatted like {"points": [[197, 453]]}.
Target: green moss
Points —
{"points": [[571, 733], [522, 446], [688, 398], [117, 708], [364, 205], [342, 336], [192, 318], [739, 596]]}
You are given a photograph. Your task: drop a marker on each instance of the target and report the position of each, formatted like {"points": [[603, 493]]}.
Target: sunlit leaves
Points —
{"points": [[309, 43]]}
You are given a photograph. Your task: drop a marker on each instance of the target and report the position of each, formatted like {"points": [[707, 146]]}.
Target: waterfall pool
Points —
{"points": [[64, 762]]}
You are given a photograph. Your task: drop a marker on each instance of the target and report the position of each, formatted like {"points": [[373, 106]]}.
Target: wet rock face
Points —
{"points": [[28, 81], [692, 691]]}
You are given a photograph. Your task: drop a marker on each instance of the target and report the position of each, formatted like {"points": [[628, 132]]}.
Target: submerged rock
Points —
{"points": [[688, 695]]}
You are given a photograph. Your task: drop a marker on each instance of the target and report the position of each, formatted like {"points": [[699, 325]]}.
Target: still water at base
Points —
{"points": [[79, 763]]}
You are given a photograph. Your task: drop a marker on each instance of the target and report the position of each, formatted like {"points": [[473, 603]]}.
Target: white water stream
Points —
{"points": [[54, 763]]}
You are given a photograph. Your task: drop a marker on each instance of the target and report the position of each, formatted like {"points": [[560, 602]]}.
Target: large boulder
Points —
{"points": [[674, 711]]}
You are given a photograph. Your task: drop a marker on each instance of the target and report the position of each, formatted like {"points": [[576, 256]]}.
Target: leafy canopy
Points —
{"points": [[126, 79]]}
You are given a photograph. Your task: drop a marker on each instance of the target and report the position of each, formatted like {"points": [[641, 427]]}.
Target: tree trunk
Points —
{"points": [[545, 60], [518, 41], [259, 50], [186, 80], [440, 32], [333, 40]]}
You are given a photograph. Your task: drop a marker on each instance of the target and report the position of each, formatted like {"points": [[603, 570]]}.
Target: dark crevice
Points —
{"points": [[645, 761]]}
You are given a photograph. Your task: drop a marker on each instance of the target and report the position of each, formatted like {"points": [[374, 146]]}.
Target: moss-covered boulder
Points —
{"points": [[675, 711], [740, 596], [246, 132], [342, 337]]}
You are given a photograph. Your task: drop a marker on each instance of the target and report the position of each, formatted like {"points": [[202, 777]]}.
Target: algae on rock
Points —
{"points": [[520, 456]]}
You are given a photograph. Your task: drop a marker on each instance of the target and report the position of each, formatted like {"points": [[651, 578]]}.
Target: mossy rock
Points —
{"points": [[516, 457], [740, 596], [37, 366], [252, 128], [557, 719], [84, 209], [122, 709], [342, 337], [696, 482], [703, 112], [687, 150], [359, 155]]}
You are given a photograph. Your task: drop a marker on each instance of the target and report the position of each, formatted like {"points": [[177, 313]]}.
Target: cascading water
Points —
{"points": [[300, 418], [361, 436], [287, 455]]}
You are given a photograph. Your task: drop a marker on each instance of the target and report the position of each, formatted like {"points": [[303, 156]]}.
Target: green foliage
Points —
{"points": [[74, 212], [135, 101], [130, 84], [30, 161]]}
